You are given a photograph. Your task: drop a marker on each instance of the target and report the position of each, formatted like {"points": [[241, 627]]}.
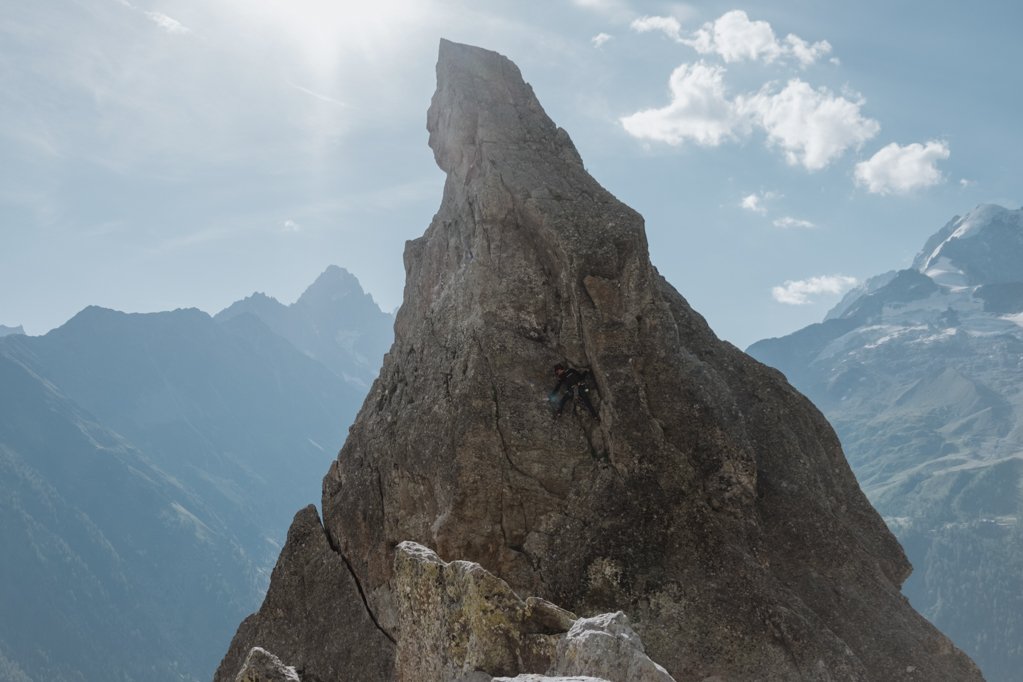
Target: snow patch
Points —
{"points": [[943, 272], [890, 333], [1016, 318], [943, 335]]}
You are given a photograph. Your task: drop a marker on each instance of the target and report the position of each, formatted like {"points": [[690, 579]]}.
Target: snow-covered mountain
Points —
{"points": [[921, 373], [983, 247]]}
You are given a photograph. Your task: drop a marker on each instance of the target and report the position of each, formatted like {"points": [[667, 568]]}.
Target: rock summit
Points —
{"points": [[710, 502]]}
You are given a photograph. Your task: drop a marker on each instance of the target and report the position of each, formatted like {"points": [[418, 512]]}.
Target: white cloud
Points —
{"points": [[813, 127], [700, 110], [751, 202], [735, 38], [600, 39], [788, 222], [169, 24], [755, 202], [798, 292], [807, 53], [899, 170], [291, 226], [669, 26]]}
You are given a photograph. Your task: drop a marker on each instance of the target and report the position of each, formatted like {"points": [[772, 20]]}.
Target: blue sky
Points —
{"points": [[177, 153]]}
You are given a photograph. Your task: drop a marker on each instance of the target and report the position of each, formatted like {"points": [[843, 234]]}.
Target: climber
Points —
{"points": [[573, 381]]}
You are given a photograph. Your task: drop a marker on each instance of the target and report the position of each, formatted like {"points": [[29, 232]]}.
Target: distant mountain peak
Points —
{"points": [[333, 283], [333, 321], [260, 296], [338, 271], [985, 246], [7, 331]]}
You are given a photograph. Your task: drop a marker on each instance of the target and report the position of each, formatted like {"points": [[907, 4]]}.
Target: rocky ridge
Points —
{"points": [[710, 502]]}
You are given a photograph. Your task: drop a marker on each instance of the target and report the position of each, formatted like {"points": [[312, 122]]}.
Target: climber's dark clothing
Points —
{"points": [[573, 382]]}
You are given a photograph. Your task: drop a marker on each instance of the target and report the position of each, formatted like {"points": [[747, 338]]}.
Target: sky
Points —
{"points": [[159, 154]]}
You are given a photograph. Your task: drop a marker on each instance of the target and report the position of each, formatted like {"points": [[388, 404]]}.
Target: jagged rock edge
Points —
{"points": [[358, 585]]}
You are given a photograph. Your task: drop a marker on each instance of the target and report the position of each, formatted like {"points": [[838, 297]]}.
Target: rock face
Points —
{"points": [[711, 501], [313, 617]]}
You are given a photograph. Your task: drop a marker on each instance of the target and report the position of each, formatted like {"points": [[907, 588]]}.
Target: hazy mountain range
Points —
{"points": [[921, 373], [150, 466], [334, 321]]}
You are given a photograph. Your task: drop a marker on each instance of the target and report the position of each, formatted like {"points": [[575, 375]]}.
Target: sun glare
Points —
{"points": [[330, 38]]}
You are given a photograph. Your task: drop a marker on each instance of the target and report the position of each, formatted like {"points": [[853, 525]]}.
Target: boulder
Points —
{"points": [[457, 618], [460, 622], [606, 646]]}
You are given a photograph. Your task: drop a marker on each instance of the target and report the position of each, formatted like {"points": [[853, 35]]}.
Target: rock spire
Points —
{"points": [[710, 502]]}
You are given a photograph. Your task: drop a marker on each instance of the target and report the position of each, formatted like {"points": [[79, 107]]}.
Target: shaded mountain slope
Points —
{"points": [[234, 412], [151, 464], [84, 582]]}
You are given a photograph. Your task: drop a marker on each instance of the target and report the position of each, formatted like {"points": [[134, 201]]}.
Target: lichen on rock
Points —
{"points": [[457, 618], [457, 621]]}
